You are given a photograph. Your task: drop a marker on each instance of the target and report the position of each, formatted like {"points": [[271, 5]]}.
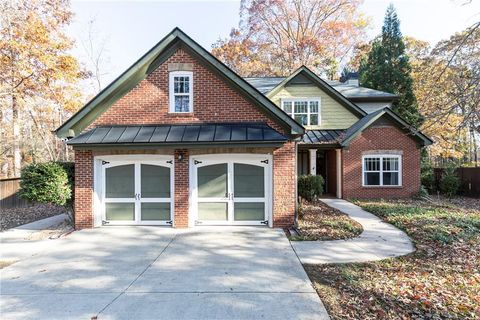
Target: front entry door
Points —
{"points": [[231, 191], [137, 192]]}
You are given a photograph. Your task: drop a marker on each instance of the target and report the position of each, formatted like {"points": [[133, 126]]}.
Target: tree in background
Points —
{"points": [[447, 85], [387, 68], [38, 80], [275, 37]]}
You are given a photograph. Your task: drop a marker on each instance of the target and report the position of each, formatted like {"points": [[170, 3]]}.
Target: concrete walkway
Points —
{"points": [[379, 240], [29, 239], [162, 273]]}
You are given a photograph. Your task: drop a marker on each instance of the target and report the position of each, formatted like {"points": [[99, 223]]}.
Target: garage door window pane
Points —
{"points": [[155, 181], [120, 181], [120, 211], [248, 181], [155, 211], [212, 180], [212, 211], [247, 211]]}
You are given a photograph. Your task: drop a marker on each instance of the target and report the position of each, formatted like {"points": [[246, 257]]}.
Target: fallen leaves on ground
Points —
{"points": [[318, 221], [10, 218], [441, 280]]}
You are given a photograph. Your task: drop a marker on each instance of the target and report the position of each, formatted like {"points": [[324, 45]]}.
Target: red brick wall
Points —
{"points": [[284, 185], [381, 138], [83, 189], [181, 189], [213, 101]]}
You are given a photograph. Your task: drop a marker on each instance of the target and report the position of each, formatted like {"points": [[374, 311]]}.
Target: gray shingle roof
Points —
{"points": [[266, 84], [184, 134]]}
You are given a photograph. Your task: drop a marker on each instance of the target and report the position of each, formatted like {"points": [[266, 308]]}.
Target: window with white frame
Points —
{"points": [[382, 170], [305, 111], [181, 93]]}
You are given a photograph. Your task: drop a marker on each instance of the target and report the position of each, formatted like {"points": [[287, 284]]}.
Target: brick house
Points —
{"points": [[180, 139]]}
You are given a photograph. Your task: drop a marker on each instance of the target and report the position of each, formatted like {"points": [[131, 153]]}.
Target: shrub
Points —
{"points": [[46, 183], [450, 183], [310, 187], [427, 176]]}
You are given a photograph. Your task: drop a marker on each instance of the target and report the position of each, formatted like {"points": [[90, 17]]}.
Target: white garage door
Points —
{"points": [[137, 192], [231, 189]]}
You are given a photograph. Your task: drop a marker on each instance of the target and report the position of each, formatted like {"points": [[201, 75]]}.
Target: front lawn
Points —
{"points": [[317, 221], [441, 280]]}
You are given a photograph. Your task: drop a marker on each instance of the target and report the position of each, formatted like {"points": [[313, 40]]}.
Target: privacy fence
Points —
{"points": [[9, 194], [469, 177]]}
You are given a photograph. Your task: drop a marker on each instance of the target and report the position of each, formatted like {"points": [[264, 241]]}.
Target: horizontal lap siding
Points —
{"points": [[333, 114], [375, 139]]}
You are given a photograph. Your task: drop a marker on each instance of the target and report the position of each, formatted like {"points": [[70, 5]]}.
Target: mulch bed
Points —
{"points": [[441, 280], [317, 221], [10, 218]]}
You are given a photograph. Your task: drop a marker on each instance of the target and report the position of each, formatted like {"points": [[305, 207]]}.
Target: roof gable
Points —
{"points": [[369, 119], [303, 75], [149, 62]]}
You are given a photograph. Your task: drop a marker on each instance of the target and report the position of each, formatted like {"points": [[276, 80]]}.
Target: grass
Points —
{"points": [[441, 280], [317, 221]]}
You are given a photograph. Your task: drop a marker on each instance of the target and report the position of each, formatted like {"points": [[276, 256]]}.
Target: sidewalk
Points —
{"points": [[33, 238], [379, 240]]}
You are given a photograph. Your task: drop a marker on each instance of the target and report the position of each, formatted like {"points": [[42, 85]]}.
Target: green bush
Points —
{"points": [[69, 168], [427, 176], [310, 187], [450, 183], [46, 183]]}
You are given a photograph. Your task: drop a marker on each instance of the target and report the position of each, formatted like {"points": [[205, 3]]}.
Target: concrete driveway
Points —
{"points": [[161, 273]]}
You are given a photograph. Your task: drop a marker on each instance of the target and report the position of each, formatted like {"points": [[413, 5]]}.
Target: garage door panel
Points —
{"points": [[120, 181]]}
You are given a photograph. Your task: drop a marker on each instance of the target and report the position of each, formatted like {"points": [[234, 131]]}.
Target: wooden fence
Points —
{"points": [[9, 194], [469, 177]]}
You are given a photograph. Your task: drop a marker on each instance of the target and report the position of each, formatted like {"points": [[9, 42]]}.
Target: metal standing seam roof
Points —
{"points": [[173, 134], [322, 136]]}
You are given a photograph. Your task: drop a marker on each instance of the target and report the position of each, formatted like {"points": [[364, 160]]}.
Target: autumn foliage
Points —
{"points": [[276, 37]]}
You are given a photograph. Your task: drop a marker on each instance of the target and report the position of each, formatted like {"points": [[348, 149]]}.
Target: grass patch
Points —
{"points": [[441, 280], [317, 221]]}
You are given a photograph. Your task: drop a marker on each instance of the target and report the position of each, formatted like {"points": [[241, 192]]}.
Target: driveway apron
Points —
{"points": [[161, 273]]}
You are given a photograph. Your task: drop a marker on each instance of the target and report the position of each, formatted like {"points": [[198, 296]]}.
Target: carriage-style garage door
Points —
{"points": [[137, 191], [233, 189]]}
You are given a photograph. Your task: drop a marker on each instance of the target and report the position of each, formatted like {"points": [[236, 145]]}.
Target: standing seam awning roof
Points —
{"points": [[322, 136], [174, 134]]}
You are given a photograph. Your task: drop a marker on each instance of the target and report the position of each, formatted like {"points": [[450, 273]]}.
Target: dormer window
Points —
{"points": [[305, 110], [181, 91]]}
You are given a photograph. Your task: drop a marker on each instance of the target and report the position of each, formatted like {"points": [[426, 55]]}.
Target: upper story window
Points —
{"points": [[181, 91], [305, 110], [382, 170]]}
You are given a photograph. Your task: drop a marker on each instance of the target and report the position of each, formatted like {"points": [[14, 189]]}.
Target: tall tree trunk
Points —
{"points": [[17, 156]]}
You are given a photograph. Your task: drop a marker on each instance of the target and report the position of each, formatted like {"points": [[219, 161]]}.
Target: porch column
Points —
{"points": [[338, 156], [313, 161]]}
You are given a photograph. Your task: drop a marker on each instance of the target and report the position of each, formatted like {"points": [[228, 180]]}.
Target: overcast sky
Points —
{"points": [[133, 27]]}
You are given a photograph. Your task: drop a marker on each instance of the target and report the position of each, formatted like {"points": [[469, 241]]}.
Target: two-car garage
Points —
{"points": [[224, 189]]}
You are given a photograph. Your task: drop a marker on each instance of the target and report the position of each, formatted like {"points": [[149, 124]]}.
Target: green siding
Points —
{"points": [[333, 114]]}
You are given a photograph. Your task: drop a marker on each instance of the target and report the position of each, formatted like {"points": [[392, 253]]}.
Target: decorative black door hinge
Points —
{"points": [[169, 222], [196, 162], [264, 222], [264, 161], [170, 161], [104, 222], [198, 222], [105, 162]]}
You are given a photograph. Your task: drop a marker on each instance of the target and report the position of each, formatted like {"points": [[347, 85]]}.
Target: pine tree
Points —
{"points": [[387, 68]]}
